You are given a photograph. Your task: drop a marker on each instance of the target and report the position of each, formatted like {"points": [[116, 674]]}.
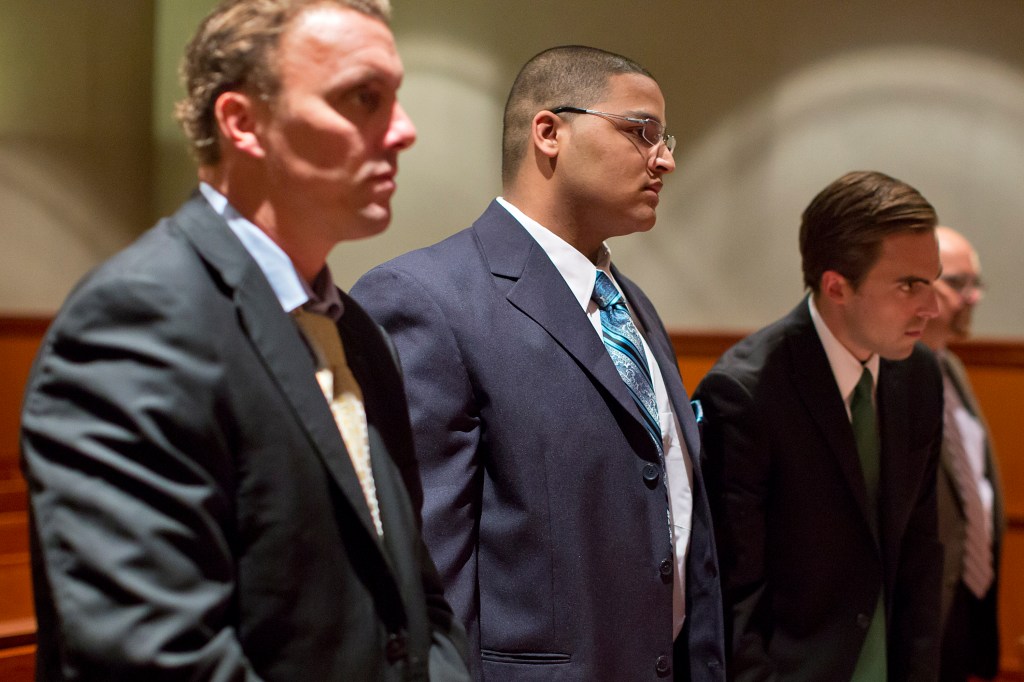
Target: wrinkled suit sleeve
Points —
{"points": [[127, 470]]}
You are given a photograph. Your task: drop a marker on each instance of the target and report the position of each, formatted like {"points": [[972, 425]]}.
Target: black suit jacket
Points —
{"points": [[802, 568], [194, 513], [550, 537]]}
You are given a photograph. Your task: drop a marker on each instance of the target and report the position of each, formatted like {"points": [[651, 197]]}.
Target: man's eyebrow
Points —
{"points": [[914, 279], [365, 77], [639, 113]]}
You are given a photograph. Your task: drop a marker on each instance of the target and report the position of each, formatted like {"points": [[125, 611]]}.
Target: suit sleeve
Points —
{"points": [[446, 428], [736, 471], [917, 592], [448, 639], [128, 507]]}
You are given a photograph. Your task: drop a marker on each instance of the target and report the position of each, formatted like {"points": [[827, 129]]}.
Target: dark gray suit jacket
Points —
{"points": [[984, 629], [801, 566], [544, 505], [194, 514]]}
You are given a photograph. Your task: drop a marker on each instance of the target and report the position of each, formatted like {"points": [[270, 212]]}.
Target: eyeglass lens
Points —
{"points": [[964, 285]]}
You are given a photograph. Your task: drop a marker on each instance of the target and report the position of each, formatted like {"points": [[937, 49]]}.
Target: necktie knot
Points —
{"points": [[345, 399], [605, 294], [862, 392]]}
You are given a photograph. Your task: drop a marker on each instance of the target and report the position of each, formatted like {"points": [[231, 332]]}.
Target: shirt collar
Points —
{"points": [[291, 290], [575, 268], [845, 367]]}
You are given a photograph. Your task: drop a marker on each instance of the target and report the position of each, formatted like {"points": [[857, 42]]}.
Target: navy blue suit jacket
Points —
{"points": [[549, 539]]}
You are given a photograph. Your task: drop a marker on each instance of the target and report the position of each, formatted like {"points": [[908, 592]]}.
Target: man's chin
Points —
{"points": [[370, 222]]}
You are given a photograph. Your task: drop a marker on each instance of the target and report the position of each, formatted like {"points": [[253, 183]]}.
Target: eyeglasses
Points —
{"points": [[966, 286], [652, 132]]}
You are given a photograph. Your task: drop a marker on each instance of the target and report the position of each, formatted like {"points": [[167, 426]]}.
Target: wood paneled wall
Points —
{"points": [[996, 370], [19, 340]]}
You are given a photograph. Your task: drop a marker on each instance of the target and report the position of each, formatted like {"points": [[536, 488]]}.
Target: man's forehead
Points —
{"points": [[334, 28], [344, 42], [634, 94]]}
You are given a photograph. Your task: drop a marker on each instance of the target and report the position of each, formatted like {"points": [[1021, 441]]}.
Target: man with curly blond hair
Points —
{"points": [[214, 435]]}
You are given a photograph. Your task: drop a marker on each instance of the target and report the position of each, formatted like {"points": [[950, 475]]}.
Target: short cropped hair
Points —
{"points": [[234, 49], [569, 75], [843, 227]]}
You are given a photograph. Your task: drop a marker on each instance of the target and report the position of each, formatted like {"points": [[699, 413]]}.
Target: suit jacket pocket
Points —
{"points": [[524, 657]]}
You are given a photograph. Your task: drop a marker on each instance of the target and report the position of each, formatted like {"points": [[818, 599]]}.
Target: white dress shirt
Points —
{"points": [[846, 368]]}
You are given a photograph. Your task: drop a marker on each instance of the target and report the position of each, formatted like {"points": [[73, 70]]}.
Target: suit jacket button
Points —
{"points": [[394, 648], [651, 475], [863, 621], [663, 665], [665, 568]]}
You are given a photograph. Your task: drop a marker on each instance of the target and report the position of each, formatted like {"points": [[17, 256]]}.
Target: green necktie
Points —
{"points": [[865, 433], [871, 665]]}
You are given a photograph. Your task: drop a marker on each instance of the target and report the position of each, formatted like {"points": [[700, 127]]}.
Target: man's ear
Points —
{"points": [[835, 287], [238, 122], [544, 133]]}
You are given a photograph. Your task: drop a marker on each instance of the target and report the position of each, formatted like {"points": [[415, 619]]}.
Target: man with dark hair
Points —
{"points": [[821, 446], [215, 437], [972, 518], [563, 499]]}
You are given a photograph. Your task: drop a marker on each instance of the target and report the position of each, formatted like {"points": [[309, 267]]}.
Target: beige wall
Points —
{"points": [[770, 102], [75, 142]]}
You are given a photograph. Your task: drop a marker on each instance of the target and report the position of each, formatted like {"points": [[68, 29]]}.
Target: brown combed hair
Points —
{"points": [[234, 48], [569, 75], [843, 227]]}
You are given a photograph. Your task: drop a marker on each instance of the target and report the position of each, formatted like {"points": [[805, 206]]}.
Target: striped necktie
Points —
{"points": [[977, 568], [622, 340], [345, 399]]}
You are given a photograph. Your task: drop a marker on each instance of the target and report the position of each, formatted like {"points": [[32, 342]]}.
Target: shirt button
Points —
{"points": [[394, 649], [663, 665], [665, 568], [651, 475], [863, 621]]}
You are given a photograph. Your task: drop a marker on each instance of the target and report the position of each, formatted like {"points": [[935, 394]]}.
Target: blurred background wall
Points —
{"points": [[769, 102]]}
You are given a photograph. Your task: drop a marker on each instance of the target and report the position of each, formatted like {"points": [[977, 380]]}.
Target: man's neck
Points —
{"points": [[836, 323], [307, 258]]}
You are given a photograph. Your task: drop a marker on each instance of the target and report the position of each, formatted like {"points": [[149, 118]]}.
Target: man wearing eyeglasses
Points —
{"points": [[558, 450], [970, 501]]}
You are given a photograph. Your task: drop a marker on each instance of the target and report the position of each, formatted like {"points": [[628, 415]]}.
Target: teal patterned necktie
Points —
{"points": [[622, 340]]}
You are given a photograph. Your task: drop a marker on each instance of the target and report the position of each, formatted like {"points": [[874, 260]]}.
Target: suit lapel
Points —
{"points": [[948, 467], [893, 427], [538, 290], [815, 383], [276, 338]]}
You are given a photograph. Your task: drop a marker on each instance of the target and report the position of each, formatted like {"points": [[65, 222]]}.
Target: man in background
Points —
{"points": [[971, 516], [822, 443], [214, 435], [563, 498]]}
